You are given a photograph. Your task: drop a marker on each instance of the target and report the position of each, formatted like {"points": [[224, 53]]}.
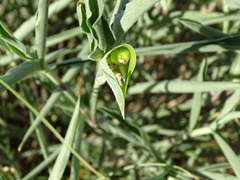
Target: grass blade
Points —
{"points": [[229, 154], [173, 86], [197, 102], [19, 72], [62, 159], [204, 30]]}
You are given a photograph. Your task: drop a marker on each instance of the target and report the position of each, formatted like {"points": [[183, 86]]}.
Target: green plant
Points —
{"points": [[180, 118]]}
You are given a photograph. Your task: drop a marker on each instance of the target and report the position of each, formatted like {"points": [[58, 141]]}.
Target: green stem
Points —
{"points": [[41, 28]]}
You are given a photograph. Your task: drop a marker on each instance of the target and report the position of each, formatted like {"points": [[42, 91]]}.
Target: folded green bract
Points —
{"points": [[116, 62], [117, 66]]}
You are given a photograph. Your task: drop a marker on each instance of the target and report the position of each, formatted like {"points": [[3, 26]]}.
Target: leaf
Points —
{"points": [[196, 105], [173, 86], [230, 116], [96, 55], [19, 72], [201, 29], [218, 176], [124, 19], [118, 87], [227, 43], [230, 104], [12, 43], [94, 24], [229, 154], [63, 156]]}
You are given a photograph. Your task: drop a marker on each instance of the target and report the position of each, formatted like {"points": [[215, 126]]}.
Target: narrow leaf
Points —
{"points": [[204, 30], [62, 159], [19, 72], [15, 45], [173, 86], [229, 153], [196, 105]]}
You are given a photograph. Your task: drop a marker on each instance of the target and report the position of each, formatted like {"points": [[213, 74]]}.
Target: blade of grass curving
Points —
{"points": [[19, 72], [201, 29], [63, 156], [197, 102], [40, 167], [52, 129], [173, 86], [229, 154], [124, 20]]}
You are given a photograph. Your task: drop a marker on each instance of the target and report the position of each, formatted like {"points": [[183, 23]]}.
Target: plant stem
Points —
{"points": [[41, 29]]}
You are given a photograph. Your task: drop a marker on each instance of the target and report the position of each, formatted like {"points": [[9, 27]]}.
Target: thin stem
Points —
{"points": [[41, 28]]}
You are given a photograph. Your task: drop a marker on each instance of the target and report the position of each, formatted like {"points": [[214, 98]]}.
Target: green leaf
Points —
{"points": [[173, 86], [62, 159], [94, 24], [227, 43], [12, 43], [201, 29], [230, 104], [118, 74], [96, 55], [230, 116], [124, 19], [229, 153], [197, 98], [218, 176], [21, 71]]}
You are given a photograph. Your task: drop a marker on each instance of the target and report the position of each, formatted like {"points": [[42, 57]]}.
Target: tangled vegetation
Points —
{"points": [[119, 90]]}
